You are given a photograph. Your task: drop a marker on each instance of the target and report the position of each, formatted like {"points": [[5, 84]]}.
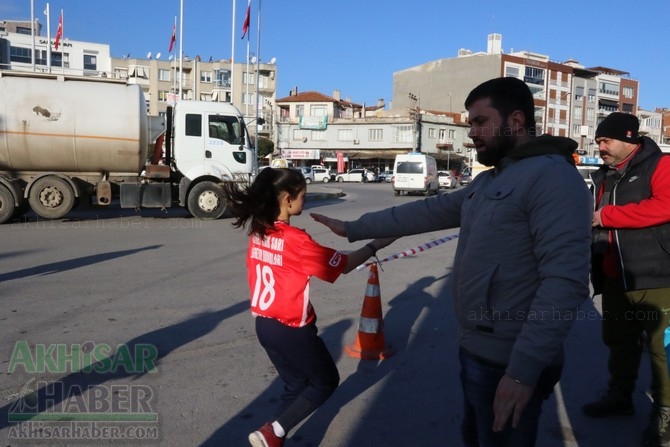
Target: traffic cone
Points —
{"points": [[369, 344]]}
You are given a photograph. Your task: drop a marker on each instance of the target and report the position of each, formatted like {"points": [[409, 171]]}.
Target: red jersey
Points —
{"points": [[279, 267]]}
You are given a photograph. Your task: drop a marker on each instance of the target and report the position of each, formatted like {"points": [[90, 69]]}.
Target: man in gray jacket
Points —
{"points": [[521, 268]]}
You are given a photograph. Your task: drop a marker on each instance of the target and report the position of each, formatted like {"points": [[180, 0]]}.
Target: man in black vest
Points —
{"points": [[631, 268]]}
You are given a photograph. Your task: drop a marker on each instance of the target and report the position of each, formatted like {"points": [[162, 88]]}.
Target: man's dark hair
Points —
{"points": [[506, 95]]}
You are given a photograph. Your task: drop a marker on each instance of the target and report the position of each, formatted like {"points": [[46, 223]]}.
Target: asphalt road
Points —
{"points": [[170, 293]]}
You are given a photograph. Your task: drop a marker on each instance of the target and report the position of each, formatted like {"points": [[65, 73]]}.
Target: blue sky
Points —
{"points": [[355, 46]]}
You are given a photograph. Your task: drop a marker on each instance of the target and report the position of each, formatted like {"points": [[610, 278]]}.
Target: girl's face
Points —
{"points": [[295, 205]]}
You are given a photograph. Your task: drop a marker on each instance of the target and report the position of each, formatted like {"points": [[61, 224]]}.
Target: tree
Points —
{"points": [[265, 146]]}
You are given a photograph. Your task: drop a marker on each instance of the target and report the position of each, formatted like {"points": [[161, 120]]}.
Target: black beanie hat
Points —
{"points": [[619, 126]]}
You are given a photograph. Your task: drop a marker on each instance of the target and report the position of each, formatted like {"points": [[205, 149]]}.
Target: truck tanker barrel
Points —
{"points": [[73, 125]]}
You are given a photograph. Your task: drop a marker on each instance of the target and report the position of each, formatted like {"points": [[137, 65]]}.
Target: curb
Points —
{"points": [[322, 193]]}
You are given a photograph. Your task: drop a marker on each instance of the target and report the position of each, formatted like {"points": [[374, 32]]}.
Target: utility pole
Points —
{"points": [[415, 114]]}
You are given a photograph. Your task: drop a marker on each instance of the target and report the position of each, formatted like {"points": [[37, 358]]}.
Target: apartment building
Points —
{"points": [[570, 99]]}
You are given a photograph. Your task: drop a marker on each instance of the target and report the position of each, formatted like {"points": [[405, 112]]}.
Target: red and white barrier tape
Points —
{"points": [[412, 251]]}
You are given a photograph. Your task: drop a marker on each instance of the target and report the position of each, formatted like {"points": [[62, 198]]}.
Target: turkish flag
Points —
{"points": [[59, 32], [173, 38], [245, 25]]}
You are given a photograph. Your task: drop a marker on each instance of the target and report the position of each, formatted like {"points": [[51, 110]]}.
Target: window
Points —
{"points": [[205, 76], [222, 78], [163, 74], [345, 135], [247, 78], [23, 30], [590, 113], [226, 128], [56, 59], [90, 62], [577, 114], [576, 128], [534, 75], [626, 108], [297, 134], [163, 95], [317, 110], [592, 95], [248, 98], [452, 133], [628, 92], [512, 72], [579, 92], [375, 134], [609, 88], [441, 135], [193, 125], [319, 135], [299, 110], [404, 133], [17, 54], [432, 133]]}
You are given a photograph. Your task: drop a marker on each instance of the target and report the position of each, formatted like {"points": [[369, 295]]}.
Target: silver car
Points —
{"points": [[446, 180]]}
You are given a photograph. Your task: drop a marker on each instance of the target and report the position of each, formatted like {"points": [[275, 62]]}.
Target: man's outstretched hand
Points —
{"points": [[335, 225]]}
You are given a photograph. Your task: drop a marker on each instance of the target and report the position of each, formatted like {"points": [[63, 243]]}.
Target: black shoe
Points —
{"points": [[613, 403], [657, 433]]}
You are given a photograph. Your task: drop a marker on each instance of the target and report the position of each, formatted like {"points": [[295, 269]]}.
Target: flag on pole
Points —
{"points": [[245, 25], [59, 31], [173, 38]]}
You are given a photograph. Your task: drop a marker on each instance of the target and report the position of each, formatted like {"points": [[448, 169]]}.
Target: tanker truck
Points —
{"points": [[66, 140]]}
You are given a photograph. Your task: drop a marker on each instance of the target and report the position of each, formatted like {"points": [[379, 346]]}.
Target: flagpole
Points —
{"points": [[48, 38], [232, 58], [174, 62], [258, 62], [62, 34], [246, 102], [181, 41], [32, 31]]}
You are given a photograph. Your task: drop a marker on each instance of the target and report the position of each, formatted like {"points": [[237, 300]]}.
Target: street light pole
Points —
{"points": [[415, 114]]}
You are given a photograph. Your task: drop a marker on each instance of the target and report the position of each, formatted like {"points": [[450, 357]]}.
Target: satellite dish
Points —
{"points": [[253, 59], [273, 60], [170, 57], [149, 55], [158, 55]]}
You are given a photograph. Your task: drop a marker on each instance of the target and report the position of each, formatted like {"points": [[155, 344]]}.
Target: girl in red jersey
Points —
{"points": [[280, 261]]}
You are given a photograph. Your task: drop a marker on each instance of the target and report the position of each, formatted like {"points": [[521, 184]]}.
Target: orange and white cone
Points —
{"points": [[370, 344]]}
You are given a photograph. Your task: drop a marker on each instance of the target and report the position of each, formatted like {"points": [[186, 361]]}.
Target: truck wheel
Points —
{"points": [[7, 207], [51, 197], [206, 201]]}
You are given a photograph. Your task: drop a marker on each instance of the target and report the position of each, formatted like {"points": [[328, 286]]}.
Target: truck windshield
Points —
{"points": [[227, 128]]}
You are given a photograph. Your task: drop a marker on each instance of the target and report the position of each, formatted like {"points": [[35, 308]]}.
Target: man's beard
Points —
{"points": [[496, 149]]}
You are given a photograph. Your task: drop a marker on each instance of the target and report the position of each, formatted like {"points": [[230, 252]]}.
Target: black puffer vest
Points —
{"points": [[644, 253]]}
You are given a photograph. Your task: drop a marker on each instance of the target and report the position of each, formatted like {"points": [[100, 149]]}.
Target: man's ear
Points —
{"points": [[517, 122]]}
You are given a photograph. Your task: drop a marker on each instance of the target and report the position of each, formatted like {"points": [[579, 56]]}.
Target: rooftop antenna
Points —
{"points": [[149, 55], [158, 55]]}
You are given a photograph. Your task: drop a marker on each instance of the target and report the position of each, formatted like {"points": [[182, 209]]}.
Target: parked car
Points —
{"points": [[322, 175], [446, 180], [307, 172], [464, 179], [354, 175], [385, 177]]}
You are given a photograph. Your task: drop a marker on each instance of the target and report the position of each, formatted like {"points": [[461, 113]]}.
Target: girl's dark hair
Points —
{"points": [[256, 206]]}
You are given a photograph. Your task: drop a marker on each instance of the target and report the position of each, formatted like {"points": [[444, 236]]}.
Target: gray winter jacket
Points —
{"points": [[521, 269]]}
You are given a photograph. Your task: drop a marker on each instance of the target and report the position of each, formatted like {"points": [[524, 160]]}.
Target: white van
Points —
{"points": [[415, 173]]}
